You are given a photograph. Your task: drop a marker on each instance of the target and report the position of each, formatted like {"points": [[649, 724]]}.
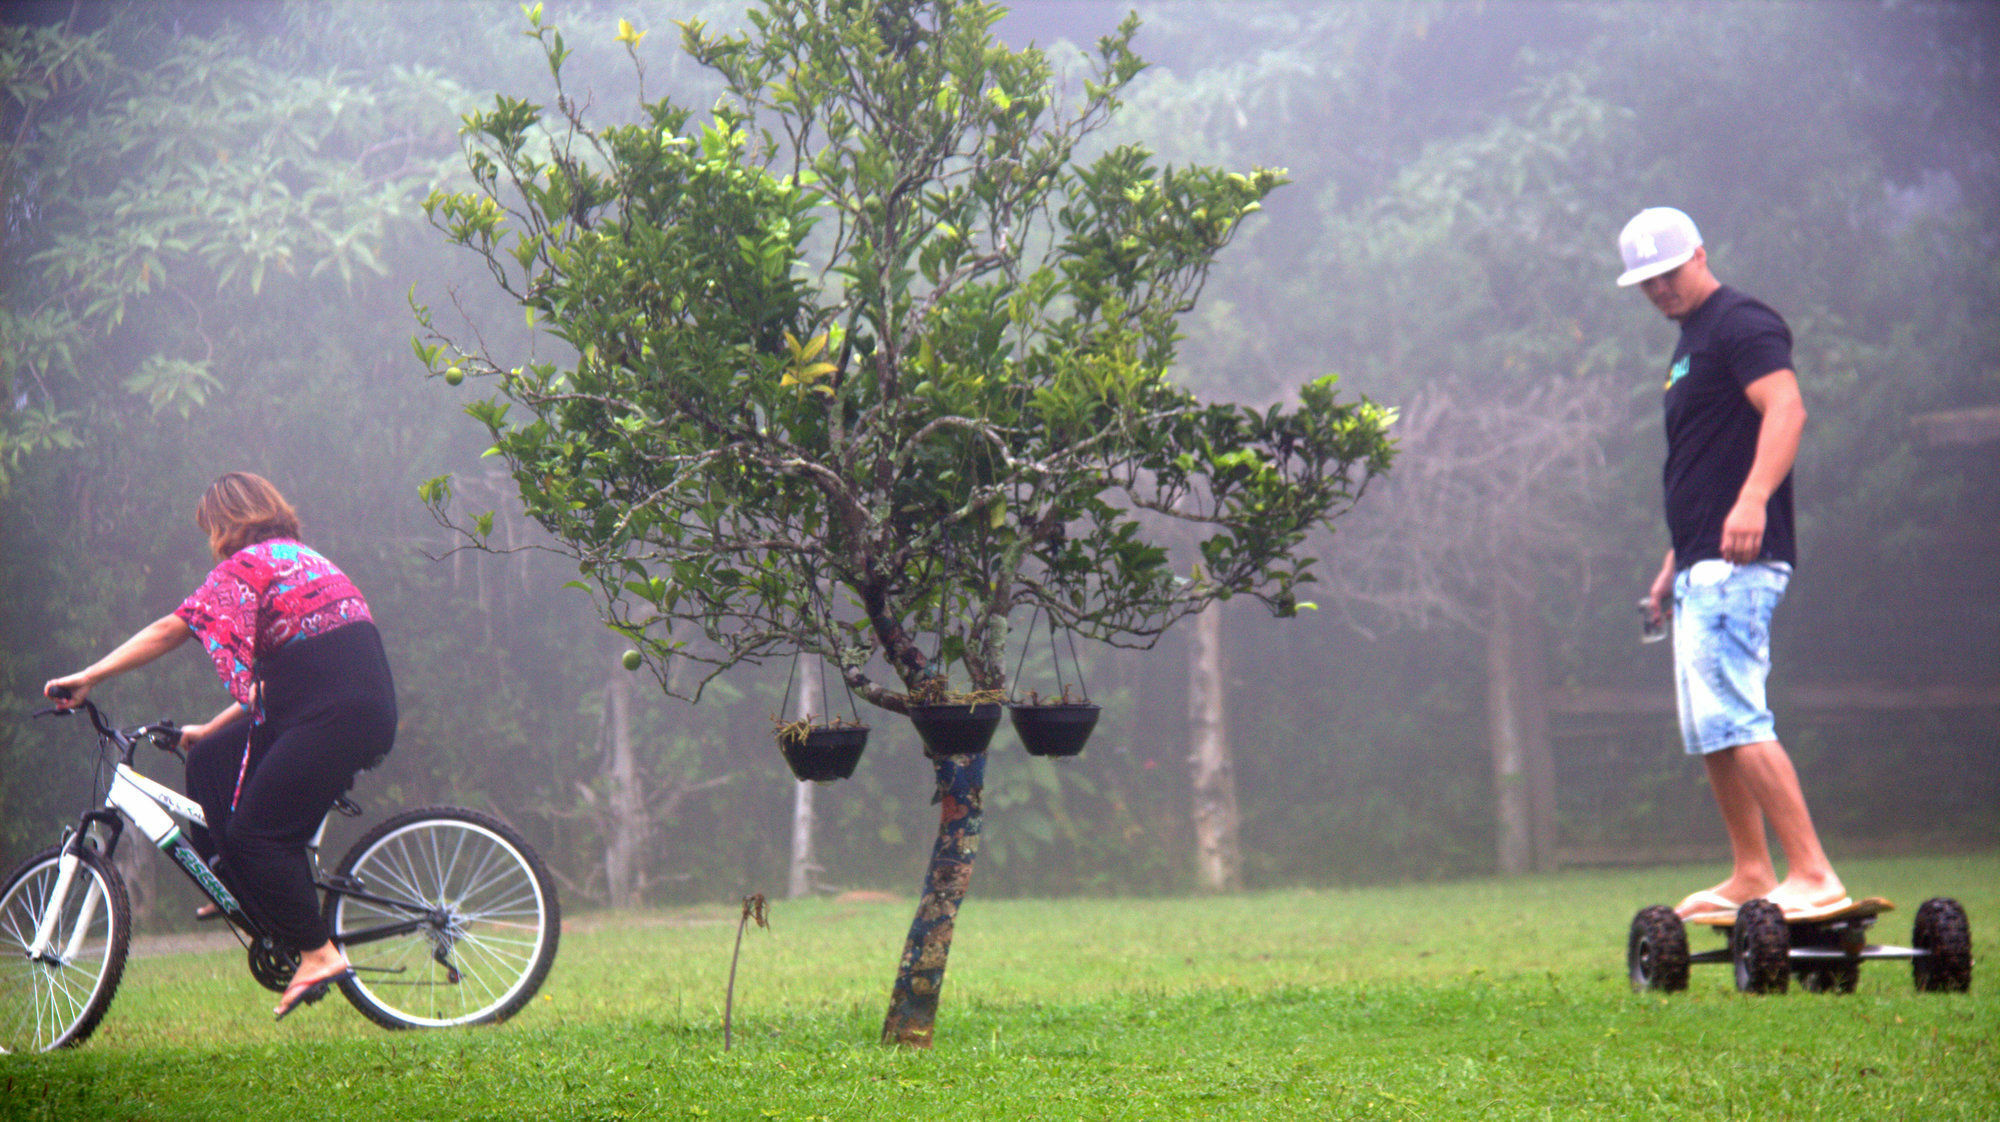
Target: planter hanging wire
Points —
{"points": [[1057, 726], [821, 753]]}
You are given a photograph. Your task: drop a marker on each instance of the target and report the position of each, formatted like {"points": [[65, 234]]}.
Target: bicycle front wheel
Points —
{"points": [[448, 917], [54, 998]]}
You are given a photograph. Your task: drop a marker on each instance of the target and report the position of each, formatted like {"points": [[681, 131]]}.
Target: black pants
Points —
{"points": [[329, 712]]}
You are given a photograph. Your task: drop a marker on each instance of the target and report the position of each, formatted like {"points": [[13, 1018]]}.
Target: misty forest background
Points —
{"points": [[212, 227]]}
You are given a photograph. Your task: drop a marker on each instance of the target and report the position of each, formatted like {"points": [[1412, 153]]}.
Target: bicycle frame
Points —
{"points": [[456, 919], [159, 811]]}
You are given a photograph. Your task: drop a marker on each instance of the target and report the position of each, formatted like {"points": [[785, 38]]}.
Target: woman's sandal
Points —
{"points": [[304, 992]]}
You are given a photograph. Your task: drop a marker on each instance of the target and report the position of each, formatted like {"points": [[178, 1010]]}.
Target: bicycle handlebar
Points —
{"points": [[166, 735]]}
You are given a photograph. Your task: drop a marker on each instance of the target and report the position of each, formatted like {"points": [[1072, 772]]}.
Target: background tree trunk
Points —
{"points": [[1218, 845], [803, 864], [920, 976], [624, 849], [1518, 730], [134, 860]]}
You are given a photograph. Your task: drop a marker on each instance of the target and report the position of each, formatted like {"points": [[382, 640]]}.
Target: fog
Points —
{"points": [[213, 233]]}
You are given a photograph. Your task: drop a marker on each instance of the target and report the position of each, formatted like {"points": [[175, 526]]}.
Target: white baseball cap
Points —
{"points": [[1658, 240]]}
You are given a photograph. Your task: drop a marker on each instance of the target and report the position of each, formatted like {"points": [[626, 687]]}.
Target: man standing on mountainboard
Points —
{"points": [[1733, 420]]}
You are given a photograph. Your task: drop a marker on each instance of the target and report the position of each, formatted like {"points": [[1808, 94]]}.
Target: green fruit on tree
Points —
{"points": [[632, 660], [454, 376]]}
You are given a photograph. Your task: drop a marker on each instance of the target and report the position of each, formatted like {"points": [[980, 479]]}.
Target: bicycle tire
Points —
{"points": [[57, 1003], [490, 920]]}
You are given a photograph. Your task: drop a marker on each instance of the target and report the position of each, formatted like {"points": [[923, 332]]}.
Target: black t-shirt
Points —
{"points": [[1729, 342]]}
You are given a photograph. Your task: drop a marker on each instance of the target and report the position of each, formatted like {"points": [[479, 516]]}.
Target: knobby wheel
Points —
{"points": [[1944, 934], [1836, 977], [1656, 954], [55, 1000], [1761, 945], [448, 917]]}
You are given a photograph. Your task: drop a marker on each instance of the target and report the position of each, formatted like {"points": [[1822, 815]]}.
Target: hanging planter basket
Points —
{"points": [[1054, 729], [820, 753], [823, 753], [955, 728], [1060, 725]]}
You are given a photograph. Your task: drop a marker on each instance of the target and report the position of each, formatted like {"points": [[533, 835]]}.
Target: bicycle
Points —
{"points": [[446, 914]]}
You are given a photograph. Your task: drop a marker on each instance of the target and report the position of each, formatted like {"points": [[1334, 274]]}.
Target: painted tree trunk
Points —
{"points": [[803, 864], [1518, 730], [1218, 845], [624, 875], [920, 976]]}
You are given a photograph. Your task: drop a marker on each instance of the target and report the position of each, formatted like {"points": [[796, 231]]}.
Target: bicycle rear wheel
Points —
{"points": [[448, 917], [56, 999]]}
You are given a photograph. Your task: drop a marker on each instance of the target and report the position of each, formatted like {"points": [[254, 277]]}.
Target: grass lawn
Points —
{"points": [[1485, 999]]}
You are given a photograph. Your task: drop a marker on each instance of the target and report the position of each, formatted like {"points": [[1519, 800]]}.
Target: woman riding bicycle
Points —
{"points": [[295, 645]]}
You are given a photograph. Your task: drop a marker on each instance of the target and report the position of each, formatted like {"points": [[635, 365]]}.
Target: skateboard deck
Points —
{"points": [[1861, 909]]}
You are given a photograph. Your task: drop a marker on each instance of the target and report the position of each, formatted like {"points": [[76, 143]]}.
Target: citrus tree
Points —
{"points": [[868, 359]]}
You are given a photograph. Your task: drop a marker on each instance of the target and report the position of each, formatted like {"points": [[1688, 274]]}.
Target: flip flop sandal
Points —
{"points": [[1802, 911], [1709, 902], [305, 993]]}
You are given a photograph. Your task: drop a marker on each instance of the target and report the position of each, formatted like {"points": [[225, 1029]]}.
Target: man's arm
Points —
{"points": [[1776, 397]]}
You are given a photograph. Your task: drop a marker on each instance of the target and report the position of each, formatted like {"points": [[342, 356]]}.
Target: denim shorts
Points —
{"points": [[1722, 651]]}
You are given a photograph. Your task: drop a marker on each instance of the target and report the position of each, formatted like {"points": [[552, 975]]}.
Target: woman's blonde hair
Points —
{"points": [[243, 509]]}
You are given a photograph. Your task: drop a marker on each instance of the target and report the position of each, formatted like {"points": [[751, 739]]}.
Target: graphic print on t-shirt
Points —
{"points": [[1679, 371]]}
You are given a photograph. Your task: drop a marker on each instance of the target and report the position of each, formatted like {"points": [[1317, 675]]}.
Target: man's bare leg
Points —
{"points": [[1767, 772], [1755, 784], [1751, 874]]}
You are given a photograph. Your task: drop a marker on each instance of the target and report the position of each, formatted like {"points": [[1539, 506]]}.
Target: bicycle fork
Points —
{"points": [[52, 910]]}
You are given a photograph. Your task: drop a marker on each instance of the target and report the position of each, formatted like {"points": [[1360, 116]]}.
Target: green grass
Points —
{"points": [[1482, 1000]]}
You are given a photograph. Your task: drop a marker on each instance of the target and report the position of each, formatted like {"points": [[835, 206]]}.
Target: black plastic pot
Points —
{"points": [[825, 753], [1054, 730], [955, 730]]}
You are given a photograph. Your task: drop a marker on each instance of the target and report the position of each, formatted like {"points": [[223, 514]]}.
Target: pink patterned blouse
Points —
{"points": [[262, 597]]}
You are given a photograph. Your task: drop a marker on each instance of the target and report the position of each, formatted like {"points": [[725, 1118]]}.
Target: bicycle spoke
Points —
{"points": [[58, 996], [486, 935]]}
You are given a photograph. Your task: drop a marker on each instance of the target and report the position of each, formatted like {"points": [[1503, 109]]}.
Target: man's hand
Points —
{"points": [[1743, 532], [1660, 596], [1775, 397]]}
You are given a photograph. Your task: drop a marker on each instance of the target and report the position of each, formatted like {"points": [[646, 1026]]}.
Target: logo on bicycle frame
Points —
{"points": [[191, 861]]}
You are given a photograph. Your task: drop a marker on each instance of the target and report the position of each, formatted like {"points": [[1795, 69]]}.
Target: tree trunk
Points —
{"points": [[134, 861], [624, 877], [803, 865], [1518, 731], [1218, 847], [920, 976]]}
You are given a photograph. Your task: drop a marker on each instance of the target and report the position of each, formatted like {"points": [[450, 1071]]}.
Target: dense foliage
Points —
{"points": [[872, 354]]}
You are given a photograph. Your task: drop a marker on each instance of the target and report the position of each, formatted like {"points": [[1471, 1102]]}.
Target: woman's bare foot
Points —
{"points": [[319, 969]]}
